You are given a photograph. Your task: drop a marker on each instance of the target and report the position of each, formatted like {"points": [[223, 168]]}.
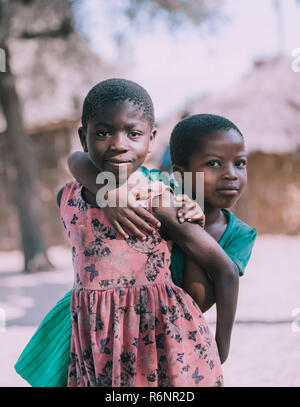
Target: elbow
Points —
{"points": [[228, 271], [235, 271], [233, 275], [230, 275]]}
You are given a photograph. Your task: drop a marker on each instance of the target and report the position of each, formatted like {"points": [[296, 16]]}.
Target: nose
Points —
{"points": [[119, 142], [230, 172]]}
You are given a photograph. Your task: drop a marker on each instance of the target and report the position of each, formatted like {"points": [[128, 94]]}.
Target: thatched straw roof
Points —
{"points": [[264, 104]]}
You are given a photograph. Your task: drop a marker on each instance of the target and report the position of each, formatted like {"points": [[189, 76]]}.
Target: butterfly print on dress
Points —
{"points": [[219, 381], [128, 363], [154, 260], [104, 379], [73, 221], [179, 357], [192, 335], [101, 233], [148, 322], [78, 202], [103, 348], [89, 365], [78, 285], [158, 339], [153, 263], [74, 254], [91, 269], [197, 378], [107, 284]]}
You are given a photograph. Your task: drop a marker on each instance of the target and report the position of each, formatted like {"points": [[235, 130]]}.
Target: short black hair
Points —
{"points": [[116, 90], [189, 132]]}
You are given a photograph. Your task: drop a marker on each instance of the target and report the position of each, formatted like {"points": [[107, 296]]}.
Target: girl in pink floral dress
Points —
{"points": [[131, 326]]}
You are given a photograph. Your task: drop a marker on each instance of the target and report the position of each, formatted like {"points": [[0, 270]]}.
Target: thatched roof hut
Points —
{"points": [[264, 104]]}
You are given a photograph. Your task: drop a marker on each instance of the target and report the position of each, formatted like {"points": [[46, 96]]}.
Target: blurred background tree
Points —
{"points": [[42, 20], [26, 19]]}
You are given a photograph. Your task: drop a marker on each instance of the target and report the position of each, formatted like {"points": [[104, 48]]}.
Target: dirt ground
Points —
{"points": [[265, 349]]}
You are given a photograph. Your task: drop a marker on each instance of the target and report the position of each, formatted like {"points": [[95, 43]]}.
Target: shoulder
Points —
{"points": [[240, 229], [67, 189], [238, 241], [59, 195]]}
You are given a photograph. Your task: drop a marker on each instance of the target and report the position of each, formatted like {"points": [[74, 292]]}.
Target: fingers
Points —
{"points": [[186, 210], [132, 221], [147, 216], [183, 198], [132, 229], [190, 211], [119, 229], [137, 219], [197, 218]]}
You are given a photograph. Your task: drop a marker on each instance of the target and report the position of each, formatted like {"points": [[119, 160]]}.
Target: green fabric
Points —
{"points": [[45, 360], [237, 241]]}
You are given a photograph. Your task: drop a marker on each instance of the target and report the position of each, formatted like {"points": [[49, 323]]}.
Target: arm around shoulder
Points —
{"points": [[207, 254]]}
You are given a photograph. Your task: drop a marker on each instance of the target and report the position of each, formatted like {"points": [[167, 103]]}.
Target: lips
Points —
{"points": [[117, 161], [228, 191]]}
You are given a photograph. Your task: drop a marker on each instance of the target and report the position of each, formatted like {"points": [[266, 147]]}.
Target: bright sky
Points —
{"points": [[175, 67]]}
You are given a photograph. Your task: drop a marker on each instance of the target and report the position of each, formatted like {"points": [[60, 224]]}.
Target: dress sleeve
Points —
{"points": [[240, 248]]}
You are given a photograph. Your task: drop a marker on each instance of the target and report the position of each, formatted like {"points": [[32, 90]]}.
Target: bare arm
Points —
{"points": [[208, 255], [135, 219], [84, 171], [197, 283]]}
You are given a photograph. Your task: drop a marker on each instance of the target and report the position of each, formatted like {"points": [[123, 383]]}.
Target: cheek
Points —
{"points": [[141, 150], [95, 147], [243, 180], [210, 179]]}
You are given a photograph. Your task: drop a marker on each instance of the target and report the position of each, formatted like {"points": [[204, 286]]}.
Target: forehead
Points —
{"points": [[223, 143], [120, 113]]}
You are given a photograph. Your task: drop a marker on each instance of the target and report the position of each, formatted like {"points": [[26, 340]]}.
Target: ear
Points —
{"points": [[152, 139], [180, 170], [82, 136]]}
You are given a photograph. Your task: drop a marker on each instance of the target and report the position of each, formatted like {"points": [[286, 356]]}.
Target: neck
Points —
{"points": [[212, 215]]}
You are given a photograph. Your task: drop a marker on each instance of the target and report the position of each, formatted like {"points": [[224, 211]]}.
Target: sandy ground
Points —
{"points": [[265, 349]]}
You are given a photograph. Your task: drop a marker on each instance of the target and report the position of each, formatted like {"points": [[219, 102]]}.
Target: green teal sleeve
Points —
{"points": [[240, 247], [45, 360], [156, 175], [177, 265]]}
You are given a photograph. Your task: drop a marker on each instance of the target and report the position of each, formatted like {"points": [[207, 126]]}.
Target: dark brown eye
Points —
{"points": [[102, 133], [241, 163], [213, 163], [134, 134]]}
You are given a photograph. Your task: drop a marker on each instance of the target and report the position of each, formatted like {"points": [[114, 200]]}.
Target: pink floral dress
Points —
{"points": [[131, 326]]}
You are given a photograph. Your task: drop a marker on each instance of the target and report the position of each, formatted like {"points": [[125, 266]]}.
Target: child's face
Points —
{"points": [[118, 136], [222, 158]]}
